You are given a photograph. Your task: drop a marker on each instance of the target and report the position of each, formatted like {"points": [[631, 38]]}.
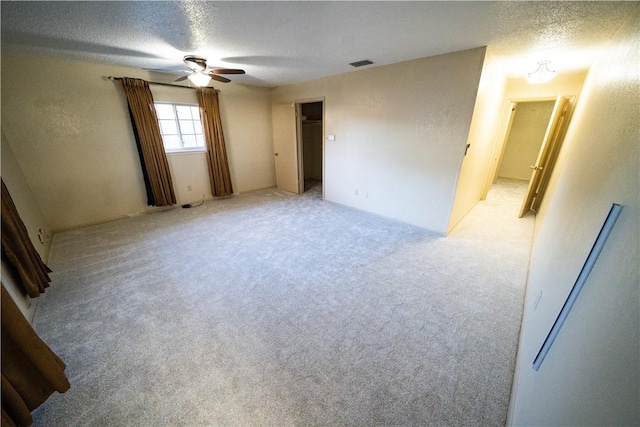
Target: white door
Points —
{"points": [[285, 146], [546, 157]]}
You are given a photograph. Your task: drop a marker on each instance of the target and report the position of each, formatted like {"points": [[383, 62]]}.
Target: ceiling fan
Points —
{"points": [[199, 75]]}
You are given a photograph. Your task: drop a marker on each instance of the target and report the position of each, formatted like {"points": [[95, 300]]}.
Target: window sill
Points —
{"points": [[194, 151]]}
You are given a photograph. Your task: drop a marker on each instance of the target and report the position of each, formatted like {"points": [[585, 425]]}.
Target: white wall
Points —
{"points": [[71, 134], [482, 134], [591, 376], [400, 134]]}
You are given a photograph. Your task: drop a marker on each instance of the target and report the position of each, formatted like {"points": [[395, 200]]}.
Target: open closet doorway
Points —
{"points": [[532, 142], [310, 145]]}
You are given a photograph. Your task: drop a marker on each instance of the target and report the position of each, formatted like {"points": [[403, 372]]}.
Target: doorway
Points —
{"points": [[534, 133], [524, 139], [310, 145]]}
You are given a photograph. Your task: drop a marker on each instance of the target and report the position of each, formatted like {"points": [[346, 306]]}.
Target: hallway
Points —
{"points": [[496, 218]]}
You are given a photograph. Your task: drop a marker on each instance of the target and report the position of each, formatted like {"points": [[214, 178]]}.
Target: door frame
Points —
{"points": [[500, 143], [299, 144]]}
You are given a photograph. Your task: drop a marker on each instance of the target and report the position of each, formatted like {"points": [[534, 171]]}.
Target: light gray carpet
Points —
{"points": [[274, 309]]}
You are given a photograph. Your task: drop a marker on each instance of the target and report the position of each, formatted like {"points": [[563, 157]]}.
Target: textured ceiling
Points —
{"points": [[285, 42]]}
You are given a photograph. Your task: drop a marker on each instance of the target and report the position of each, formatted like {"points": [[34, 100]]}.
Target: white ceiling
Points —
{"points": [[285, 42]]}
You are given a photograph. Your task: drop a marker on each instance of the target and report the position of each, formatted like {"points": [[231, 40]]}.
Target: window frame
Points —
{"points": [[182, 149]]}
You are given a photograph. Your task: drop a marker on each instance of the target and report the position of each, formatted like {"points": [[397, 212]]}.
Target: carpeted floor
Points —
{"points": [[274, 309]]}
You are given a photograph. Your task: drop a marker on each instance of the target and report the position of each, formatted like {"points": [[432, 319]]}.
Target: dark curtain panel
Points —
{"points": [[147, 184], [31, 371], [216, 150], [147, 131], [19, 252]]}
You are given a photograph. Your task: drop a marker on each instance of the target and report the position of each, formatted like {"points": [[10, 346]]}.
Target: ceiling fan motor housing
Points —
{"points": [[196, 63]]}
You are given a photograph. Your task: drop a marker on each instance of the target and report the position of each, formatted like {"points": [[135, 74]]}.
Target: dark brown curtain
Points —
{"points": [[155, 166], [31, 371], [216, 150], [18, 250]]}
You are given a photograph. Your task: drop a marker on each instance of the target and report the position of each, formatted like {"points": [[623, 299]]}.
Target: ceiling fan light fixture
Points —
{"points": [[542, 74], [199, 79]]}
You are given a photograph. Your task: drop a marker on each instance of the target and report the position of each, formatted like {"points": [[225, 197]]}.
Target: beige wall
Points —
{"points": [[71, 134], [489, 126], [32, 218], [563, 84], [246, 117], [591, 375], [400, 133], [525, 139], [518, 89], [482, 134], [24, 200]]}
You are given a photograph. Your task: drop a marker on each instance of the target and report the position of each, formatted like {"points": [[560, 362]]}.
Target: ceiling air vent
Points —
{"points": [[361, 63]]}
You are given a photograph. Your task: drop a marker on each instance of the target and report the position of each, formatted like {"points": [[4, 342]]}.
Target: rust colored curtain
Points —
{"points": [[216, 150], [18, 250], [31, 371], [155, 166]]}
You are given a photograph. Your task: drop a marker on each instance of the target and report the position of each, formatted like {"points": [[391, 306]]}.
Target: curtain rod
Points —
{"points": [[159, 84]]}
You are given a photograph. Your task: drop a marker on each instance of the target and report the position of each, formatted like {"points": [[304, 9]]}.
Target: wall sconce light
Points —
{"points": [[542, 74]]}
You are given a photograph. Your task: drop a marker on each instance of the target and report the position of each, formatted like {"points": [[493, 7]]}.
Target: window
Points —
{"points": [[180, 127]]}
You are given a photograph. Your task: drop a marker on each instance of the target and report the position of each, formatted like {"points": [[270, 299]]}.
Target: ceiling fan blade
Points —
{"points": [[170, 70], [180, 79], [226, 71], [219, 78]]}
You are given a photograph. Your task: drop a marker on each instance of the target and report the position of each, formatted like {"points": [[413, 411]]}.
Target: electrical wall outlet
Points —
{"points": [[189, 187], [42, 236]]}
